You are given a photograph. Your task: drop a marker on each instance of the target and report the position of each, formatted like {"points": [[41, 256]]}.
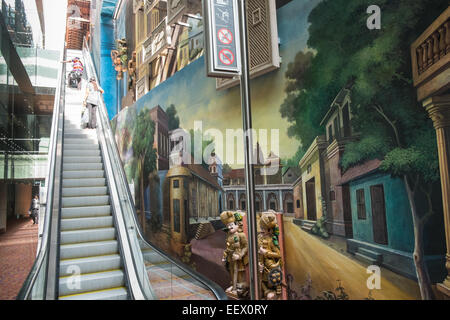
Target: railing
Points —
{"points": [[167, 270], [434, 48], [431, 51], [36, 285]]}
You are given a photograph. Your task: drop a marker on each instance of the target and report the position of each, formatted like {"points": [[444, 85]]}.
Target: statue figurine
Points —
{"points": [[132, 72], [120, 58], [235, 256], [269, 254]]}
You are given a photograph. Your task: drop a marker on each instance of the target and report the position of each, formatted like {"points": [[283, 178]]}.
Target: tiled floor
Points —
{"points": [[17, 254]]}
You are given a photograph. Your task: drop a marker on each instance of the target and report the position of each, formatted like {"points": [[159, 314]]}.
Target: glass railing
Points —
{"points": [[36, 285], [159, 276]]}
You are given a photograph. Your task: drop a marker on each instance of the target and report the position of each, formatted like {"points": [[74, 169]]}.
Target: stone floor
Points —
{"points": [[17, 254]]}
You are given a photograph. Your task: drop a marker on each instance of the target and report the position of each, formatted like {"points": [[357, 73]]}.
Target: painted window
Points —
{"points": [[290, 207], [176, 215], [337, 127], [176, 184], [298, 204], [361, 204], [330, 133], [332, 195], [273, 206]]}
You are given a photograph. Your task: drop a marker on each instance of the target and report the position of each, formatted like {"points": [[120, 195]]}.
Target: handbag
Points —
{"points": [[84, 116]]}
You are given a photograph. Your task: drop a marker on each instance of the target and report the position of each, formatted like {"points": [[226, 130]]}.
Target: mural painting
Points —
{"points": [[357, 179]]}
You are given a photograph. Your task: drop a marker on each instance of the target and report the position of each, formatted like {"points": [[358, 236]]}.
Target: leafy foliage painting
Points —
{"points": [[391, 124], [144, 154]]}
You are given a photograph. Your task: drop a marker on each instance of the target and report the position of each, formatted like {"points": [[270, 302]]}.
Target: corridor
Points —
{"points": [[17, 255]]}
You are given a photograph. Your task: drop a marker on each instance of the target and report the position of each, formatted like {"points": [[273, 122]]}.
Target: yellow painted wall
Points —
{"points": [[315, 173]]}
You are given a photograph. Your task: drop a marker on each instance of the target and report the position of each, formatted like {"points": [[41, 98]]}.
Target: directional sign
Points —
{"points": [[221, 38]]}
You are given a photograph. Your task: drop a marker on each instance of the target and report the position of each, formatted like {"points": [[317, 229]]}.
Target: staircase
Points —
{"points": [[90, 262], [368, 256], [305, 225]]}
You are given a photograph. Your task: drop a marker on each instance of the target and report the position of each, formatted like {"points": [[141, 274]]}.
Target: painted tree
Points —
{"points": [[144, 154], [174, 120], [393, 126], [199, 143]]}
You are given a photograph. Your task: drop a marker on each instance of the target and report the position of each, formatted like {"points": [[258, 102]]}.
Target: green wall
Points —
{"points": [[398, 212]]}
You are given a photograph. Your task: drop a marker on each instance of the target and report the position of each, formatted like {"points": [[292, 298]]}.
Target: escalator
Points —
{"points": [[91, 246]]}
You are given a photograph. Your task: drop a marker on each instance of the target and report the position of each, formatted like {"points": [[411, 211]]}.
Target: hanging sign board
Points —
{"points": [[221, 38]]}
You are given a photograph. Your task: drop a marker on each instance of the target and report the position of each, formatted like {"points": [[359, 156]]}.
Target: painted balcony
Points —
{"points": [[431, 58]]}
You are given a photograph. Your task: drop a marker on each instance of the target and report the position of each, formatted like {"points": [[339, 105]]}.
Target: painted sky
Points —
{"points": [[196, 98]]}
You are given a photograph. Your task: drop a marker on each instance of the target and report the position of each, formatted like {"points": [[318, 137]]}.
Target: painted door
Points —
{"points": [[311, 200], [380, 234]]}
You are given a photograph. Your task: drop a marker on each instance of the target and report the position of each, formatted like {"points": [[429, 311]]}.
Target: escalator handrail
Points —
{"points": [[215, 288], [44, 247]]}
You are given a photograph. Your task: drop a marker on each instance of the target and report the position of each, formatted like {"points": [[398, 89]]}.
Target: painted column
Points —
{"points": [[264, 200], [438, 109], [281, 202]]}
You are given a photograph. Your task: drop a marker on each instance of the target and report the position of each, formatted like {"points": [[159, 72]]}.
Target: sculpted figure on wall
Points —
{"points": [[269, 253], [120, 58], [235, 255]]}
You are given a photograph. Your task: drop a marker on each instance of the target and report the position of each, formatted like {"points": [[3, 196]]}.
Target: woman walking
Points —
{"points": [[92, 100]]}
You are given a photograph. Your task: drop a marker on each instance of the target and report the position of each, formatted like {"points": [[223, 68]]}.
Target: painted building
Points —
{"points": [[193, 199], [312, 169], [272, 191], [339, 132], [161, 139], [383, 232]]}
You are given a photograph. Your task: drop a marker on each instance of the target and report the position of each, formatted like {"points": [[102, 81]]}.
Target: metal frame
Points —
{"points": [[48, 238], [212, 68]]}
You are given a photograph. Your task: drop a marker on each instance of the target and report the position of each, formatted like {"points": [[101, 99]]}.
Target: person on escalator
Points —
{"points": [[92, 100], [77, 71]]}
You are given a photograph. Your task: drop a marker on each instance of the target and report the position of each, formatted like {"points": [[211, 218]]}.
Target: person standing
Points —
{"points": [[92, 100], [77, 69], [34, 209]]}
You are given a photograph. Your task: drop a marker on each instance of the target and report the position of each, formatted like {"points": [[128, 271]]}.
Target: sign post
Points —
{"points": [[227, 57], [222, 39]]}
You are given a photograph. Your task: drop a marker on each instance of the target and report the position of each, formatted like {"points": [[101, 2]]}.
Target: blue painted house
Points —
{"points": [[383, 232]]}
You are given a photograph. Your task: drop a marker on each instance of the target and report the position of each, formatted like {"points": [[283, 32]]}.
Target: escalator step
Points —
{"points": [[82, 212], [87, 235], [88, 249], [89, 265], [109, 294], [91, 282], [86, 223]]}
